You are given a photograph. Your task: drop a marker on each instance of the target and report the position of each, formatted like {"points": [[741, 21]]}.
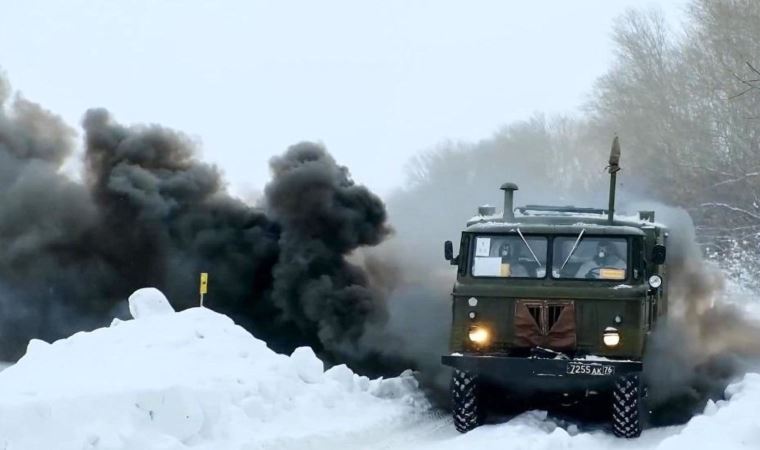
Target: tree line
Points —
{"points": [[686, 105]]}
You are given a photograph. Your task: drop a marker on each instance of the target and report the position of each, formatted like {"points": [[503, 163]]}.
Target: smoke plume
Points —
{"points": [[324, 216], [149, 213], [707, 340]]}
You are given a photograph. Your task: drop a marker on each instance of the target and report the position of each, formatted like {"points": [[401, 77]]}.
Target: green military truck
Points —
{"points": [[555, 301]]}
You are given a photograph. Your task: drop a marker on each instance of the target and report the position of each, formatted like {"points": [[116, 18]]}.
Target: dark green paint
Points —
{"points": [[597, 302]]}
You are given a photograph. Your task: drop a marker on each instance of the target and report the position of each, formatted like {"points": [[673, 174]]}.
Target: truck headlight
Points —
{"points": [[655, 281], [611, 337], [478, 335]]}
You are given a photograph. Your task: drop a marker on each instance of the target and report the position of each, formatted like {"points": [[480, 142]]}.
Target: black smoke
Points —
{"points": [[145, 211], [324, 216]]}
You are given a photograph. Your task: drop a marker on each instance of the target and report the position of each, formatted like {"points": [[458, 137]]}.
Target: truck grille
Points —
{"points": [[536, 313], [552, 315], [543, 323], [545, 315]]}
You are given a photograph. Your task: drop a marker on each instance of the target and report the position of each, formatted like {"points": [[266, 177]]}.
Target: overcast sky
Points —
{"points": [[376, 81]]}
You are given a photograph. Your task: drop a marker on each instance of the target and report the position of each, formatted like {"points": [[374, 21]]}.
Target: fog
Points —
{"points": [[374, 82], [342, 249]]}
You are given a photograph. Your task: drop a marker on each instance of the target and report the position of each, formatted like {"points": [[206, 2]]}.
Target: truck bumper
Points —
{"points": [[543, 373]]}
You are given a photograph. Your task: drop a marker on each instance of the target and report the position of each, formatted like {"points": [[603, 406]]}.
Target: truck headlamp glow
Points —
{"points": [[655, 281], [478, 335], [611, 337]]}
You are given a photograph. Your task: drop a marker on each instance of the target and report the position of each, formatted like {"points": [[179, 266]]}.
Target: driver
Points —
{"points": [[605, 257], [510, 265]]}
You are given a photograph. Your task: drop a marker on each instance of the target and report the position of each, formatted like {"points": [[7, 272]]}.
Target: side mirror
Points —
{"points": [[658, 254], [448, 250]]}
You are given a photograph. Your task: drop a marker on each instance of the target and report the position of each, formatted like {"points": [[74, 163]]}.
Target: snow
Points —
{"points": [[489, 218], [622, 286], [730, 424], [601, 359], [194, 379], [183, 380], [147, 302], [308, 367], [490, 225]]}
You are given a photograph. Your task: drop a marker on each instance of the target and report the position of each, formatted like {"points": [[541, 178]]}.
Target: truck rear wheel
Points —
{"points": [[467, 402], [627, 406]]}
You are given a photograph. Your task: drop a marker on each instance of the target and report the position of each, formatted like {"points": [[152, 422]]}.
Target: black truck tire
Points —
{"points": [[466, 398], [627, 405]]}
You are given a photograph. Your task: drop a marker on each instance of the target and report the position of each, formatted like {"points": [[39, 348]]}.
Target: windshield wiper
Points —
{"points": [[529, 249], [573, 249]]}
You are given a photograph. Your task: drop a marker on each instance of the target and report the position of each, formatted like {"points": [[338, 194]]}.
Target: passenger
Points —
{"points": [[510, 265], [606, 257]]}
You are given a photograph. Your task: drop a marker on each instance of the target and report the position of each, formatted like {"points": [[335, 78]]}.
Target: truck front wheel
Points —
{"points": [[467, 403], [627, 406]]}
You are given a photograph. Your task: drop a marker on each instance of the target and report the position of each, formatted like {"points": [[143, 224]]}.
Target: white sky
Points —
{"points": [[375, 81]]}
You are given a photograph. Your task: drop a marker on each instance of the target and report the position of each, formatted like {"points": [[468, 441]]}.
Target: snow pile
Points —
{"points": [[183, 380], [148, 302]]}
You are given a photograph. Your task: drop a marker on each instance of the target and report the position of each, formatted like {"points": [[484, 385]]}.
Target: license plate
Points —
{"points": [[594, 369]]}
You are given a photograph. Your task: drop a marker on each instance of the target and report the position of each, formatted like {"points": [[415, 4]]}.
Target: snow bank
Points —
{"points": [[183, 380], [148, 302]]}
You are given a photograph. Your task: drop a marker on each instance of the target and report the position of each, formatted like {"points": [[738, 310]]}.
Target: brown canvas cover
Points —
{"points": [[538, 331]]}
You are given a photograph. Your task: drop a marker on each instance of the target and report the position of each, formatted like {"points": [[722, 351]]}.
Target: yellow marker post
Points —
{"points": [[204, 286]]}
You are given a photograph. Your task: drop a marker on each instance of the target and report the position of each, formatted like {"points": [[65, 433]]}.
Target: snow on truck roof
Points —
{"points": [[557, 222]]}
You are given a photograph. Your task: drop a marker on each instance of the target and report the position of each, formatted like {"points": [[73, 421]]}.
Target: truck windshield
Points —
{"points": [[600, 258], [509, 256]]}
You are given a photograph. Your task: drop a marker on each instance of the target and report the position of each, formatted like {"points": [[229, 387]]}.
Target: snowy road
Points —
{"points": [[423, 430], [727, 425]]}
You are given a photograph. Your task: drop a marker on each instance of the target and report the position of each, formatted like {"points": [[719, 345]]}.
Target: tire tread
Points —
{"points": [[626, 407], [467, 410]]}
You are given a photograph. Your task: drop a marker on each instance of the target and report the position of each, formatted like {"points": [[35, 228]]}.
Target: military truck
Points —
{"points": [[555, 301]]}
